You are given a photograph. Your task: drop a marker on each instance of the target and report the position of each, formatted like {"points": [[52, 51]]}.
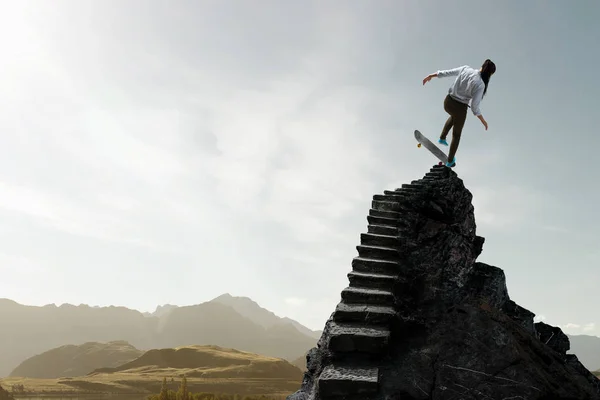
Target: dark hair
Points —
{"points": [[487, 69]]}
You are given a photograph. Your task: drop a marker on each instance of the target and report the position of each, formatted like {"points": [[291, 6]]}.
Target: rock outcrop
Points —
{"points": [[422, 319]]}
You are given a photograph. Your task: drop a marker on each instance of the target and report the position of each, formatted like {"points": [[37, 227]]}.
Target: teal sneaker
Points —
{"points": [[443, 141], [451, 164]]}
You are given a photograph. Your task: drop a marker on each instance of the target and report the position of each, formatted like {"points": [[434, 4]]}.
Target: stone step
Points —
{"points": [[381, 221], [357, 338], [366, 264], [352, 295], [385, 205], [371, 280], [390, 195], [342, 381], [382, 230], [384, 214], [374, 239], [438, 168], [364, 313], [415, 185], [378, 252], [422, 181], [436, 174], [406, 193], [401, 194]]}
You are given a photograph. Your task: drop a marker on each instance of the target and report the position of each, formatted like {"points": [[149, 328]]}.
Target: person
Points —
{"points": [[470, 85]]}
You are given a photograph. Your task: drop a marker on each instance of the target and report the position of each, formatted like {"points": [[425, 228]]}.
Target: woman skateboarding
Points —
{"points": [[470, 85]]}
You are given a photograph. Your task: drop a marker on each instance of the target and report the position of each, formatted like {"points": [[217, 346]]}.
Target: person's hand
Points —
{"points": [[483, 121], [427, 79]]}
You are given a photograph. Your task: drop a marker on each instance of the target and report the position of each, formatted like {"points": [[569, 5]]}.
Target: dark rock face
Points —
{"points": [[421, 319], [553, 337]]}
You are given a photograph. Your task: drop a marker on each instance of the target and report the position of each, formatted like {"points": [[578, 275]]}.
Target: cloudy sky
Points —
{"points": [[155, 152]]}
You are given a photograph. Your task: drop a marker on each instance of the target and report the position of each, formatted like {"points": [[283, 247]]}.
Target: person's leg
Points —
{"points": [[449, 121], [447, 127], [459, 115]]}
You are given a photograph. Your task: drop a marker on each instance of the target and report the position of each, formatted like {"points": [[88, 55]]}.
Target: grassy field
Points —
{"points": [[222, 371], [126, 383]]}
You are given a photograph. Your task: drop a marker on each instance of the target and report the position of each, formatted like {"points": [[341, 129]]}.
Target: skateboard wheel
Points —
{"points": [[419, 145]]}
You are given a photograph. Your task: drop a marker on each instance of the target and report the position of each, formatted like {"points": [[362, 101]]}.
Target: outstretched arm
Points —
{"points": [[443, 74]]}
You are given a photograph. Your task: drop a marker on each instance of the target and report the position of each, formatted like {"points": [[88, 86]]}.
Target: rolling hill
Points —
{"points": [[71, 360], [211, 369], [207, 362]]}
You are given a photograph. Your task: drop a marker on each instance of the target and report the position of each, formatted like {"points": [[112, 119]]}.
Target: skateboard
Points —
{"points": [[431, 147]]}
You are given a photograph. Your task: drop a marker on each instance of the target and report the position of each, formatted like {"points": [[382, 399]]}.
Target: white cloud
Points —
{"points": [[292, 151], [539, 318], [300, 162], [589, 327], [295, 301], [578, 329]]}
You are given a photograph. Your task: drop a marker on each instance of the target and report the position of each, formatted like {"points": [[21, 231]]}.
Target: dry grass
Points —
{"points": [[131, 383], [221, 371]]}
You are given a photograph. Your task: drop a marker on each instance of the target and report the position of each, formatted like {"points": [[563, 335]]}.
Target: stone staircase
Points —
{"points": [[360, 327]]}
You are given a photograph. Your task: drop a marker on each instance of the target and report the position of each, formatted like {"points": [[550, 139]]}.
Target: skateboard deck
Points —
{"points": [[431, 147]]}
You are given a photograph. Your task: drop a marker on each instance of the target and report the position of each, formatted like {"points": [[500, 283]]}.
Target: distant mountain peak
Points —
{"points": [[265, 318], [228, 297], [163, 310], [223, 296]]}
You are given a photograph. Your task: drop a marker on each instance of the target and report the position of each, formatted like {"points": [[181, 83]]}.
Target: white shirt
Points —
{"points": [[468, 85]]}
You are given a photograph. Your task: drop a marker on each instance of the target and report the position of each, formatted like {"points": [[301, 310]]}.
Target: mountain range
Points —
{"points": [[587, 349], [226, 321]]}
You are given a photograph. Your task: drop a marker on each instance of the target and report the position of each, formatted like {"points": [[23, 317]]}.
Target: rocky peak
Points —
{"points": [[422, 319]]}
